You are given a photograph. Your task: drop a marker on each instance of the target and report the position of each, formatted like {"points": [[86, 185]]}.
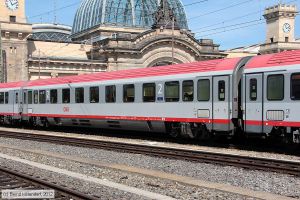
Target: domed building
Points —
{"points": [[139, 33], [132, 16], [106, 35]]}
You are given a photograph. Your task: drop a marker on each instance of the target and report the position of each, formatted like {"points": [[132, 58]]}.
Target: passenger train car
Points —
{"points": [[255, 96]]}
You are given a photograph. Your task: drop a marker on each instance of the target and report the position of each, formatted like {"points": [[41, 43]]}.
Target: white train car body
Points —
{"points": [[252, 95]]}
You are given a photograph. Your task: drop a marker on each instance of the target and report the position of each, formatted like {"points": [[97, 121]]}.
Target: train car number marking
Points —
{"points": [[159, 89]]}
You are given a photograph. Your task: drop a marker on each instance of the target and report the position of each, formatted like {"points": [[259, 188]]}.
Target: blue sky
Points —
{"points": [[210, 19]]}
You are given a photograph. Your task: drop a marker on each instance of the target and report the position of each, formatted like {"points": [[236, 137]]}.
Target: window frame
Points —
{"points": [[209, 90], [12, 19], [291, 87], [125, 92], [114, 92], [193, 89], [62, 95], [43, 102], [97, 96], [176, 100], [251, 90], [272, 75], [219, 90], [81, 98], [2, 97], [24, 97], [16, 97], [36, 94], [6, 97], [53, 102], [153, 85], [31, 97]]}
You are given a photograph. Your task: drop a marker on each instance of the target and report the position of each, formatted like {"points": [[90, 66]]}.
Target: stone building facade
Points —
{"points": [[151, 40], [280, 34], [128, 34], [14, 34]]}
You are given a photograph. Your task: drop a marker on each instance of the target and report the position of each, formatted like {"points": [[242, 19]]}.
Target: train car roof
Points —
{"points": [[269, 60], [273, 60], [195, 67]]}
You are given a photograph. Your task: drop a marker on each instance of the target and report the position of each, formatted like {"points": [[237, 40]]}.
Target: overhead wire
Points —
{"points": [[236, 18], [221, 9], [240, 25], [230, 30]]}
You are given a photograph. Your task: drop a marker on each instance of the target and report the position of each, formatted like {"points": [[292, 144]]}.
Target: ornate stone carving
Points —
{"points": [[164, 17]]}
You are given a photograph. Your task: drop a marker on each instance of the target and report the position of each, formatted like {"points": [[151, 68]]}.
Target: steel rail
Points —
{"points": [[32, 182], [225, 159]]}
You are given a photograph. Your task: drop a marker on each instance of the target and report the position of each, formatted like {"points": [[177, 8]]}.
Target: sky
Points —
{"points": [[230, 23]]}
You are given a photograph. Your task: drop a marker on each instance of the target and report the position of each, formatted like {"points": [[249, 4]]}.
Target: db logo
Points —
{"points": [[66, 109]]}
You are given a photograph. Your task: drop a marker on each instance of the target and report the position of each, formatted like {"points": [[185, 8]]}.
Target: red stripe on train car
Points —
{"points": [[167, 119], [253, 123], [134, 118], [282, 123], [272, 123]]}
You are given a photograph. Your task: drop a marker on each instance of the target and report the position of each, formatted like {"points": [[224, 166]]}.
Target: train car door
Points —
{"points": [[221, 103], [25, 105], [204, 100], [16, 103], [253, 107]]}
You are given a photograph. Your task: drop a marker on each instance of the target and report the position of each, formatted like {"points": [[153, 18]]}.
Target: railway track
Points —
{"points": [[253, 163], [15, 180]]}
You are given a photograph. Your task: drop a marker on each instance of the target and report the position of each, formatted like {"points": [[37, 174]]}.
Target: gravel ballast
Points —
{"points": [[256, 180], [165, 187], [88, 135], [99, 191]]}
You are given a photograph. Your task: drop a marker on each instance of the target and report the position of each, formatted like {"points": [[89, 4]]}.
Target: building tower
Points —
{"points": [[14, 33], [280, 34]]}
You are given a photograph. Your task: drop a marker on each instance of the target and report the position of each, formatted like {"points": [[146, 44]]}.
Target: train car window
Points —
{"points": [[53, 96], [42, 96], [94, 94], [295, 86], [17, 97], [1, 97], [275, 88], [128, 93], [149, 92], [35, 96], [79, 95], [203, 90], [25, 98], [253, 89], [110, 94], [29, 97], [188, 90], [6, 97], [221, 86], [172, 91], [66, 95]]}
